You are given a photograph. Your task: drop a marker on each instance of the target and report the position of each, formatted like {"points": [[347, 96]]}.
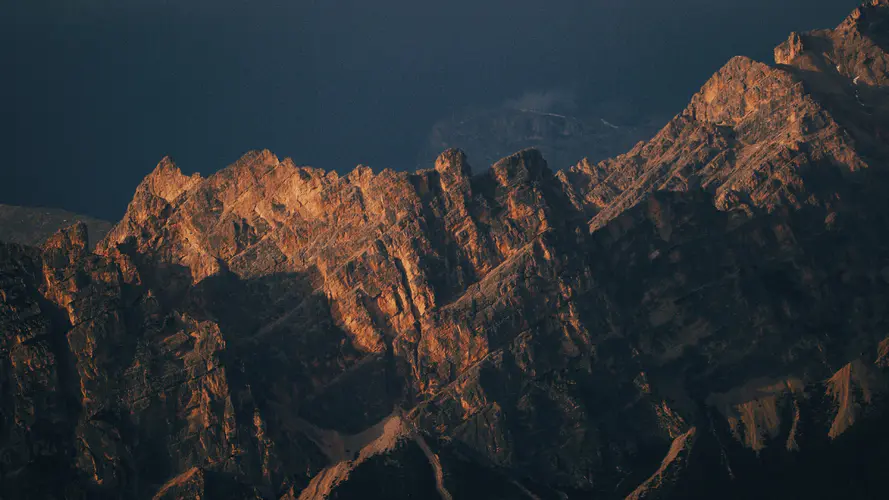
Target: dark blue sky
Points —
{"points": [[95, 92]]}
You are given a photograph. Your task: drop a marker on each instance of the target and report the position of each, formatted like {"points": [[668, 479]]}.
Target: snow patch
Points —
{"points": [[609, 124]]}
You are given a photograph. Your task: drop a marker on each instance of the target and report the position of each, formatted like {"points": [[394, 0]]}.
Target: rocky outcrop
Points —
{"points": [[709, 305]]}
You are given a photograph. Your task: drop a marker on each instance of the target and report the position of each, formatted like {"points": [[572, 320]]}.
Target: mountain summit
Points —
{"points": [[704, 316]]}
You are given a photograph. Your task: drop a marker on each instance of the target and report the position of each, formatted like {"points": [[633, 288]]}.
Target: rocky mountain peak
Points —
{"points": [[741, 87], [855, 50], [522, 167], [167, 182], [453, 164], [789, 50]]}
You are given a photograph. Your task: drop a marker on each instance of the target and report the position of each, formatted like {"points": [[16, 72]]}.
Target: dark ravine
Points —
{"points": [[705, 316]]}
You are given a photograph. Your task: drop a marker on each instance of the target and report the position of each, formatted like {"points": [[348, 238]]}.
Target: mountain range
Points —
{"points": [[703, 316]]}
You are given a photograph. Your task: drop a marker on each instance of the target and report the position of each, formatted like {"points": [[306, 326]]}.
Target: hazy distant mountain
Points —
{"points": [[33, 225], [564, 136], [702, 317]]}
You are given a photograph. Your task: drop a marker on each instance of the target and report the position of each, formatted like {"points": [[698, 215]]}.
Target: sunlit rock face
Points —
{"points": [[704, 316]]}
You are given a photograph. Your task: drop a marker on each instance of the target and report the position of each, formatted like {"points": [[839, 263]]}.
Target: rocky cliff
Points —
{"points": [[704, 316]]}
